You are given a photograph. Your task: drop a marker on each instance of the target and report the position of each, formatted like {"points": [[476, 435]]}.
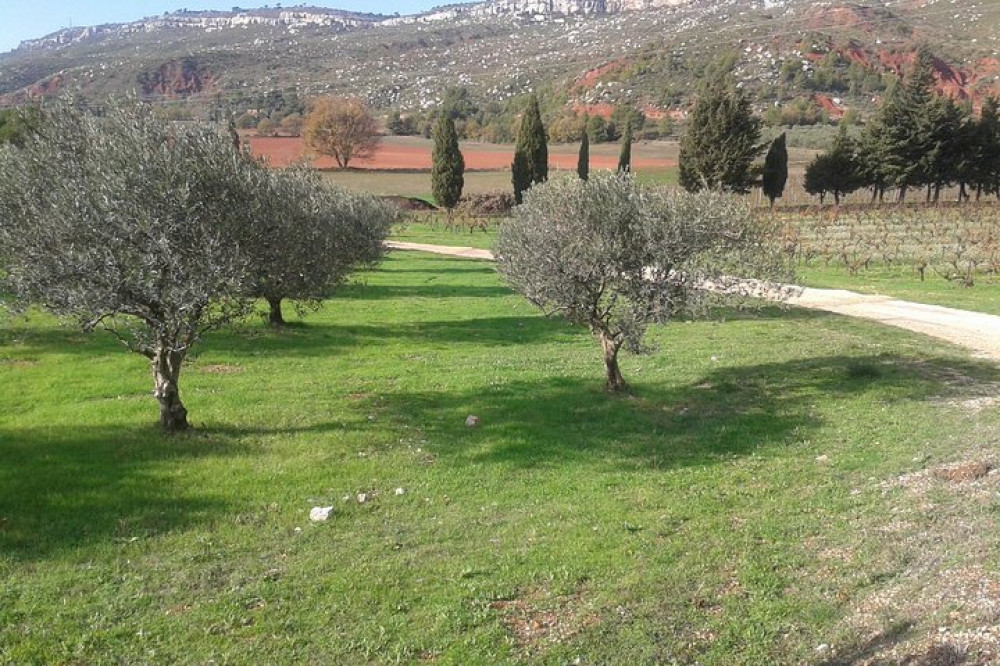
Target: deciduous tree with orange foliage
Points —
{"points": [[343, 128]]}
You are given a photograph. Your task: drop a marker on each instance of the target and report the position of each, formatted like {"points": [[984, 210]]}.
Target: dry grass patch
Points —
{"points": [[220, 369], [939, 586], [539, 619], [19, 362]]}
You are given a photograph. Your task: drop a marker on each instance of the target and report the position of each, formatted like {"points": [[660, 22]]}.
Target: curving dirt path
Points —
{"points": [[973, 330]]}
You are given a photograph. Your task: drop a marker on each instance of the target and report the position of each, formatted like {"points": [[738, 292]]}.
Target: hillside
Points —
{"points": [[582, 53]]}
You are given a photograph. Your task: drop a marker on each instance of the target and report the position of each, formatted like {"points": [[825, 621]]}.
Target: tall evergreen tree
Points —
{"points": [[872, 156], [520, 175], [583, 161], [951, 139], [775, 173], [625, 157], [532, 147], [448, 168], [900, 138], [986, 161], [722, 140]]}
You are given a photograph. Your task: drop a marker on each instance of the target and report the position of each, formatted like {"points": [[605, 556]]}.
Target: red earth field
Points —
{"points": [[415, 154]]}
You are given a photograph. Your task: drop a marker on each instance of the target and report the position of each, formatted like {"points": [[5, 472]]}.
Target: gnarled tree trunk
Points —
{"points": [[275, 317], [610, 346], [166, 372]]}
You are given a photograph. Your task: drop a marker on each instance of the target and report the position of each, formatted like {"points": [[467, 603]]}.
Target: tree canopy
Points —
{"points": [[159, 232], [303, 238], [722, 140], [616, 256], [775, 172], [837, 171], [448, 165], [531, 152], [343, 128], [625, 156], [583, 158], [126, 223]]}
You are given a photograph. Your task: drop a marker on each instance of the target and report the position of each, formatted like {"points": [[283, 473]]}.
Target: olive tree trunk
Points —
{"points": [[615, 382], [275, 317], [166, 372]]}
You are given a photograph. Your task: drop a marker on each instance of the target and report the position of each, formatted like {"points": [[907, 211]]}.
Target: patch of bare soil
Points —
{"points": [[537, 618]]}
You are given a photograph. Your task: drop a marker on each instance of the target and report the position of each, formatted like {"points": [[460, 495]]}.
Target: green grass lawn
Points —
{"points": [[732, 509], [430, 229], [414, 183]]}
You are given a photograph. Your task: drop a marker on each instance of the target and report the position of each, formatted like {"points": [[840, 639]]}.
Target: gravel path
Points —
{"points": [[973, 330]]}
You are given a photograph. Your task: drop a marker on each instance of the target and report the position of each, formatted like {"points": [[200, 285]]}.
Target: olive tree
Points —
{"points": [[304, 238], [126, 223], [616, 256]]}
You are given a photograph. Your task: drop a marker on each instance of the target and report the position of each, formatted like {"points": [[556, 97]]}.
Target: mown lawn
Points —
{"points": [[732, 510]]}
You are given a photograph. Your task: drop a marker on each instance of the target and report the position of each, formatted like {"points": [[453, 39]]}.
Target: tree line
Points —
{"points": [[916, 140]]}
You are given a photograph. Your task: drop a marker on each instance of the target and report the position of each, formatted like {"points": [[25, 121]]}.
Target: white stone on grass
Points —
{"points": [[320, 513]]}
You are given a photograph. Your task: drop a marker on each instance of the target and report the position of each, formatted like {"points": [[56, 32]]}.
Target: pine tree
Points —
{"points": [[532, 147], [872, 153], [838, 171], [986, 169], [447, 171], [900, 138], [722, 140], [583, 161], [625, 157], [952, 145], [775, 173]]}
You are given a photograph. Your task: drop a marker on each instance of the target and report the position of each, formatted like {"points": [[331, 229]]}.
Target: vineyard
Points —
{"points": [[960, 244]]}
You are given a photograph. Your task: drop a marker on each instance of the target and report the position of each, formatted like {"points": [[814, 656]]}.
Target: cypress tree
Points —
{"points": [[583, 161], [625, 157], [447, 171], [721, 143], [775, 173], [520, 175], [234, 136], [532, 147]]}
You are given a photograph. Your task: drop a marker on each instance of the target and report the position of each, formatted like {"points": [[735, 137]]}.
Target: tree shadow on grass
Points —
{"points": [[468, 268], [65, 487], [867, 651], [727, 412], [429, 289], [302, 338], [317, 338]]}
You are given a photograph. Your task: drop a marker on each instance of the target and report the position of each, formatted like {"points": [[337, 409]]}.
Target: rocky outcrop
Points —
{"points": [[299, 17], [36, 91], [567, 7], [176, 78]]}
